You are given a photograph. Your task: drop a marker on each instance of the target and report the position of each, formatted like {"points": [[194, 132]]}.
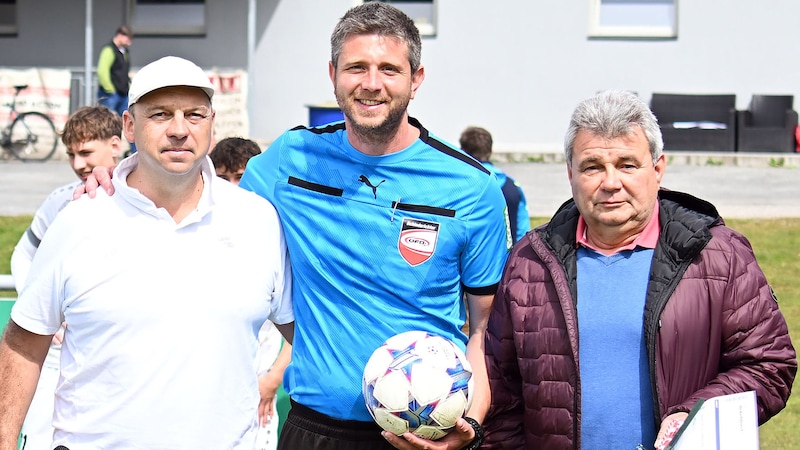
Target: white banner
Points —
{"points": [[47, 92], [230, 103]]}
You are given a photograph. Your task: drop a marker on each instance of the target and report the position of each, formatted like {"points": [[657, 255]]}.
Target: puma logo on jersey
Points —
{"points": [[365, 180]]}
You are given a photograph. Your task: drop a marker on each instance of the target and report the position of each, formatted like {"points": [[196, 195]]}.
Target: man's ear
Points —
{"points": [[332, 73], [127, 126], [416, 80], [660, 167], [116, 146]]}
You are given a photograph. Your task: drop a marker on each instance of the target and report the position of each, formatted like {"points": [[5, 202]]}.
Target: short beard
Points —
{"points": [[374, 134], [381, 133]]}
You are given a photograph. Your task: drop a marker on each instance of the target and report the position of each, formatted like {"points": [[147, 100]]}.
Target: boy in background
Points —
{"points": [[477, 142], [230, 157], [93, 138]]}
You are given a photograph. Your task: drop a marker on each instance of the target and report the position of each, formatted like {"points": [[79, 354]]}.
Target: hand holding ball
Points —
{"points": [[418, 382]]}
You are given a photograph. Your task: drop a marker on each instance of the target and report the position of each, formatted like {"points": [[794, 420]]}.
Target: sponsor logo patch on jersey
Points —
{"points": [[417, 240]]}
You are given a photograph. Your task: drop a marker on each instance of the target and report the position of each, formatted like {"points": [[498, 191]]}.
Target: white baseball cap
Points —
{"points": [[165, 72]]}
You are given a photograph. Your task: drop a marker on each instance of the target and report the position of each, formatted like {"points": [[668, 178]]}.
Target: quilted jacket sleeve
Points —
{"points": [[756, 351], [504, 421]]}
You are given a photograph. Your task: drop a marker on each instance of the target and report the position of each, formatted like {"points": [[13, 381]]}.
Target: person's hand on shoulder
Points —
{"points": [[100, 176]]}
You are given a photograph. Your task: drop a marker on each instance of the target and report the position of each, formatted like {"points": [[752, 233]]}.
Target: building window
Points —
{"points": [[422, 11], [168, 17], [633, 18], [8, 17]]}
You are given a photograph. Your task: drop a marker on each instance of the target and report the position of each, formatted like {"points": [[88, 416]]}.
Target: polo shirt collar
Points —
{"points": [[648, 238], [133, 196]]}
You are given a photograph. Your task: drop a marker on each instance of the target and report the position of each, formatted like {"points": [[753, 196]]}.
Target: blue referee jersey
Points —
{"points": [[379, 245]]}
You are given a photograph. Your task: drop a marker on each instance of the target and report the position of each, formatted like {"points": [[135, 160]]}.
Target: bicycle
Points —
{"points": [[30, 135]]}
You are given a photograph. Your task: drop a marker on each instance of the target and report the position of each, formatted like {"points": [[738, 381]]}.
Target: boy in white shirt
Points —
{"points": [[92, 135]]}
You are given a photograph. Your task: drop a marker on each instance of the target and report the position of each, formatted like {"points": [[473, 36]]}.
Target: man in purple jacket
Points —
{"points": [[630, 305]]}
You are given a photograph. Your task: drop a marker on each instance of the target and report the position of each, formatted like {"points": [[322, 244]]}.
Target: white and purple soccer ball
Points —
{"points": [[418, 382]]}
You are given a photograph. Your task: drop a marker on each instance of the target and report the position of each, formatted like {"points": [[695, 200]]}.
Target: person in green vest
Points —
{"points": [[113, 78]]}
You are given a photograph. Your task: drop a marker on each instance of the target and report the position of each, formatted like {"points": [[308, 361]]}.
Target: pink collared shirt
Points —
{"points": [[648, 238]]}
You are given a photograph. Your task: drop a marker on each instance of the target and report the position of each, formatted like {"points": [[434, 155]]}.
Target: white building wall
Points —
{"points": [[518, 67], [291, 64]]}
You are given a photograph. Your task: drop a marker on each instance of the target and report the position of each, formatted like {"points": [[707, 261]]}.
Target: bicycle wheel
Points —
{"points": [[33, 137]]}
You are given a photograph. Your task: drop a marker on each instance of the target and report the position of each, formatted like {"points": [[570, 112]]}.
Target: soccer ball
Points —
{"points": [[418, 382]]}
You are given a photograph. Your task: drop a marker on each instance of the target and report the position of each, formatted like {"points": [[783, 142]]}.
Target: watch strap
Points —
{"points": [[478, 440]]}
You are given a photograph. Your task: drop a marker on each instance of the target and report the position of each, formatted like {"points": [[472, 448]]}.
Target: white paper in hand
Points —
{"points": [[727, 422]]}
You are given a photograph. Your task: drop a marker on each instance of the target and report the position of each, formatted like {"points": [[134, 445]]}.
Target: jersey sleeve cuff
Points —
{"points": [[486, 290]]}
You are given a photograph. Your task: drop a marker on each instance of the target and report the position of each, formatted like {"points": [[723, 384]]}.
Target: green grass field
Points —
{"points": [[11, 228], [776, 243]]}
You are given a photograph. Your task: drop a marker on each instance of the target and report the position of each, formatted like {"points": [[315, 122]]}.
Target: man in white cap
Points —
{"points": [[163, 321]]}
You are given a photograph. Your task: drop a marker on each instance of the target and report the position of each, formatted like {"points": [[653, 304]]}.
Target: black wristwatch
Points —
{"points": [[478, 440]]}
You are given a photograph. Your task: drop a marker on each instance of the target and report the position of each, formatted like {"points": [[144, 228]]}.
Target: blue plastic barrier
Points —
{"points": [[322, 114]]}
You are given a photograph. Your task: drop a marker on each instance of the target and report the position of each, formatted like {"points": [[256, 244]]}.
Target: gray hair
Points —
{"points": [[612, 114], [381, 19]]}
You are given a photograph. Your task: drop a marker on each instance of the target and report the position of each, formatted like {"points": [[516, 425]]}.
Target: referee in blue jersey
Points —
{"points": [[387, 227]]}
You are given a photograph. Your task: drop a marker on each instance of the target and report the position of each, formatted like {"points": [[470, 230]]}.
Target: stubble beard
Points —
{"points": [[373, 133]]}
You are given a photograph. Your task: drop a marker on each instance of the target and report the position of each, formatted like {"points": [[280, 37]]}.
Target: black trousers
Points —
{"points": [[306, 429]]}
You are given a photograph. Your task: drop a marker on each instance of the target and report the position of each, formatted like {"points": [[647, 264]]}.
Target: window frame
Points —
{"points": [[11, 27], [143, 26], [598, 30]]}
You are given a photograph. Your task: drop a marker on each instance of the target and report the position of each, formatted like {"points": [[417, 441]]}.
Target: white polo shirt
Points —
{"points": [[163, 318]]}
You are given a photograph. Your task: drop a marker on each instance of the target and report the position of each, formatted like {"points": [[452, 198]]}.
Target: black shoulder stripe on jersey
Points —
{"points": [[423, 135], [321, 188], [444, 148], [330, 128], [424, 209]]}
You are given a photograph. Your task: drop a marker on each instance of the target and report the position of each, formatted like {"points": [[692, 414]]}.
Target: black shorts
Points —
{"points": [[306, 429]]}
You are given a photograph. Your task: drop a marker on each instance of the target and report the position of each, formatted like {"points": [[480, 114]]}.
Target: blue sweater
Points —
{"points": [[615, 384]]}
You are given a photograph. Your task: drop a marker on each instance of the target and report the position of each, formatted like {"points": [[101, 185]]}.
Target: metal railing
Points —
{"points": [[78, 88]]}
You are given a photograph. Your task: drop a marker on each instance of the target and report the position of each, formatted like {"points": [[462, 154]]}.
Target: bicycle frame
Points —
{"points": [[12, 114]]}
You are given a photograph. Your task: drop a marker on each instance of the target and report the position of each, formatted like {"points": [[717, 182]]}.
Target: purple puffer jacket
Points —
{"points": [[712, 327]]}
